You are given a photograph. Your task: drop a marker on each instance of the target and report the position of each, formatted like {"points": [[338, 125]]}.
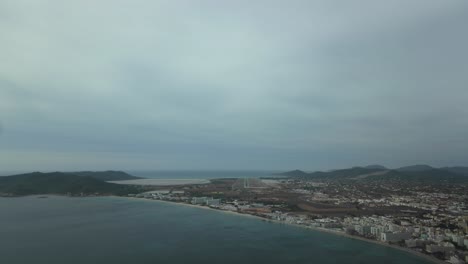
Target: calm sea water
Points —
{"points": [[119, 230]]}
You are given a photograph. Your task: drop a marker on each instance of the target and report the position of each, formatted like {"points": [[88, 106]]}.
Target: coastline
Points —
{"points": [[318, 229]]}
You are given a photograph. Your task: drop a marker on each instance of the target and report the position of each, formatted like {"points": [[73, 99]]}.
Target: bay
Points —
{"points": [[121, 230]]}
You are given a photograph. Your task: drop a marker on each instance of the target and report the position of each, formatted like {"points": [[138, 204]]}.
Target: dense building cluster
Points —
{"points": [[428, 219]]}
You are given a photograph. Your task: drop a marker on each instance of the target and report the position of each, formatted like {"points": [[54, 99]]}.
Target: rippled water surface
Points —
{"points": [[119, 230]]}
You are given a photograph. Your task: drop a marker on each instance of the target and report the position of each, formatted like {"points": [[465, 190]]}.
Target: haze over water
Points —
{"points": [[120, 230], [201, 174]]}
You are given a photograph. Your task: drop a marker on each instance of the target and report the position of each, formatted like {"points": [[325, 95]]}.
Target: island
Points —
{"points": [[84, 183]]}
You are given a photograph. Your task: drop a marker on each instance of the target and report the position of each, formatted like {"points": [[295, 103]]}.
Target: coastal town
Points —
{"points": [[424, 219]]}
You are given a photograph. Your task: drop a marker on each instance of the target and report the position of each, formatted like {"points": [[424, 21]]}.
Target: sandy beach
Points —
{"points": [[419, 254]]}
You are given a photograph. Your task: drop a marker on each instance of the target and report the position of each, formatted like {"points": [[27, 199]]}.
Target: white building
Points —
{"points": [[394, 237], [213, 202], [199, 200]]}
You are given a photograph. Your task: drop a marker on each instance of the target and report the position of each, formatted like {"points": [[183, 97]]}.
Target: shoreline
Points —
{"points": [[318, 229]]}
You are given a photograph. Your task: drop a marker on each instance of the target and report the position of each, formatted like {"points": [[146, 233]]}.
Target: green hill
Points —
{"points": [[345, 173], [432, 176], [422, 167], [335, 174], [294, 173], [106, 175], [411, 174], [60, 183], [458, 170], [376, 166]]}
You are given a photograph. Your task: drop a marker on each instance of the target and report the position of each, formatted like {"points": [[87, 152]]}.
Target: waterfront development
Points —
{"points": [[76, 230], [421, 210], [427, 219]]}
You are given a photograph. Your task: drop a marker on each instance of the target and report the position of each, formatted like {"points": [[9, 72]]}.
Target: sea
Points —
{"points": [[74, 230]]}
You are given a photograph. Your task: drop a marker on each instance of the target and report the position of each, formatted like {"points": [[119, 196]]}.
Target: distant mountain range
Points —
{"points": [[415, 173], [416, 168], [457, 170], [106, 175], [375, 167], [74, 183]]}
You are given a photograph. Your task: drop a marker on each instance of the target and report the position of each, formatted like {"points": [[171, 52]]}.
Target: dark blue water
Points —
{"points": [[59, 230], [201, 174]]}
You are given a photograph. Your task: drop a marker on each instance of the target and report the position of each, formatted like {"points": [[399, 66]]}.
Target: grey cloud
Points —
{"points": [[269, 84]]}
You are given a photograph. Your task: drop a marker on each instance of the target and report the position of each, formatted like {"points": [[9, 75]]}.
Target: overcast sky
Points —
{"points": [[232, 84]]}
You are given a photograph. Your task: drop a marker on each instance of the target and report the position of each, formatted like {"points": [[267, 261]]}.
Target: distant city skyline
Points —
{"points": [[263, 85]]}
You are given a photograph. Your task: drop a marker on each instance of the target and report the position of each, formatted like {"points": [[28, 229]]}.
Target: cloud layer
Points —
{"points": [[239, 85]]}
